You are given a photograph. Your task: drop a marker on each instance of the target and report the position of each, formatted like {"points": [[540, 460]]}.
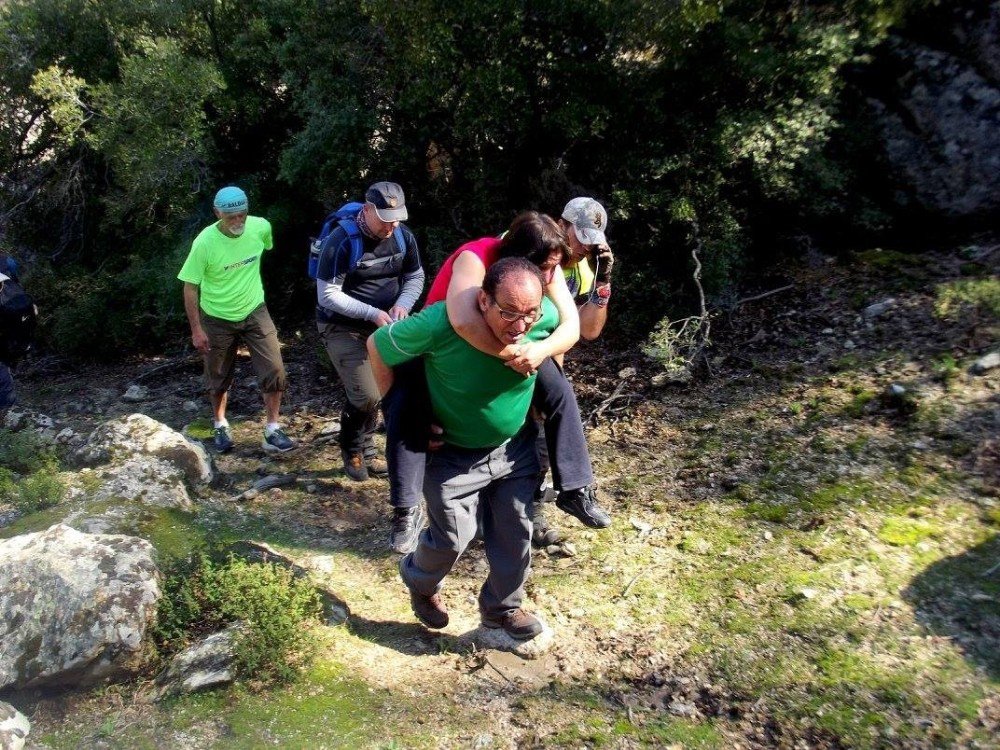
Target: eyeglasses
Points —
{"points": [[512, 317]]}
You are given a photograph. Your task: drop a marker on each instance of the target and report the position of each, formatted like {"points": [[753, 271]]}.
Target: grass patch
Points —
{"points": [[906, 532], [858, 405], [200, 429]]}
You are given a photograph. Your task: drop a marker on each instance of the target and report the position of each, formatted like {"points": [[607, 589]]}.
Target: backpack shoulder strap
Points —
{"points": [[350, 227]]}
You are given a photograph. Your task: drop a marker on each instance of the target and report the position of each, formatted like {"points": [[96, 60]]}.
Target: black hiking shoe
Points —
{"points": [[518, 624], [277, 442], [582, 504], [407, 524], [222, 439], [542, 535]]}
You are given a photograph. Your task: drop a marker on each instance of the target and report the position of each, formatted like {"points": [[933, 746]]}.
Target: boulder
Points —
{"points": [[937, 121], [14, 727], [144, 479], [75, 606], [138, 434]]}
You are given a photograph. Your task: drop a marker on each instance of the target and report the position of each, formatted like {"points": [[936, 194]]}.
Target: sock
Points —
{"points": [[223, 423], [270, 427]]}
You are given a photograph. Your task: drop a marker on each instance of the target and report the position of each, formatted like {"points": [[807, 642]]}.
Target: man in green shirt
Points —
{"points": [[224, 302], [488, 454]]}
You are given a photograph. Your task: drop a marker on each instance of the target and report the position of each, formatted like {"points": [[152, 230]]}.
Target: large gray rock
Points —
{"points": [[74, 607], [144, 479], [120, 439], [938, 122], [14, 727]]}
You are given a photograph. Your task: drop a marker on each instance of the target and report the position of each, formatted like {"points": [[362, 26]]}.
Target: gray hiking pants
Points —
{"points": [[456, 482]]}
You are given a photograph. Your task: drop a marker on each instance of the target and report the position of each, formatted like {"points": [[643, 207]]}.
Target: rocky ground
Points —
{"points": [[804, 554]]}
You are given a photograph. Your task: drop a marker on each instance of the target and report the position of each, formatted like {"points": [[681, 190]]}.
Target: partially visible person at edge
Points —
{"points": [[488, 457], [538, 238], [224, 301], [588, 276], [12, 346], [352, 302]]}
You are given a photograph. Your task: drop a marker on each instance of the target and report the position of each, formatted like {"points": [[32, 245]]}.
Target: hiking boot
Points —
{"points": [[407, 524], [222, 439], [354, 466], [583, 505], [277, 442], [518, 624], [376, 466], [542, 535], [430, 610]]}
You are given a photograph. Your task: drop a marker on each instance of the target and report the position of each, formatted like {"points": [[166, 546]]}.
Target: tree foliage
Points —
{"points": [[121, 118]]}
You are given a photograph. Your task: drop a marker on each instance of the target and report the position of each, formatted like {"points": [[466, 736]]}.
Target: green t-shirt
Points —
{"points": [[480, 402], [228, 269]]}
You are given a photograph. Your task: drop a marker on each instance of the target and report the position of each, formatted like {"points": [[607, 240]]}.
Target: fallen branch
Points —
{"points": [[763, 295], [606, 403], [630, 584], [497, 670], [172, 364]]}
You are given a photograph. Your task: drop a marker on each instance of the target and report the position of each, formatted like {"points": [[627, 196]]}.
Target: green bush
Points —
{"points": [[41, 490], [24, 452], [979, 297], [29, 472], [277, 610]]}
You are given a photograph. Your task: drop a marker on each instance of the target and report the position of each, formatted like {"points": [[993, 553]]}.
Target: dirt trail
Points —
{"points": [[798, 557]]}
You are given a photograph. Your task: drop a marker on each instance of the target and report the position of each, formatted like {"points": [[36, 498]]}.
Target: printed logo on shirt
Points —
{"points": [[240, 264]]}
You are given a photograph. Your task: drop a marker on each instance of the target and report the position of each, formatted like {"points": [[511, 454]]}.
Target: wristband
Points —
{"points": [[602, 294]]}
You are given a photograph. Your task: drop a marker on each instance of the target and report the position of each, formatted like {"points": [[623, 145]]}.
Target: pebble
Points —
{"points": [[641, 526], [136, 393], [986, 363], [879, 308]]}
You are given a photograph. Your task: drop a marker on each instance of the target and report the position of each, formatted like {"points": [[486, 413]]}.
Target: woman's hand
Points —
{"points": [[528, 358]]}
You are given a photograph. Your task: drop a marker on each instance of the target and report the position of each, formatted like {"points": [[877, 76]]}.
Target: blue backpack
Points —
{"points": [[344, 217]]}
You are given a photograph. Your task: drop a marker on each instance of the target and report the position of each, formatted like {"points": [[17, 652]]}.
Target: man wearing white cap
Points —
{"points": [[224, 302]]}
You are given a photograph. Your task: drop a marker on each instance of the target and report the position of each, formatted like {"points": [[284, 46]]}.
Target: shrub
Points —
{"points": [[980, 297], [43, 489], [277, 610], [29, 472], [24, 452]]}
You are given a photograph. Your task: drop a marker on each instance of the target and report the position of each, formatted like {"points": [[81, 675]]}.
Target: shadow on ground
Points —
{"points": [[959, 597]]}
